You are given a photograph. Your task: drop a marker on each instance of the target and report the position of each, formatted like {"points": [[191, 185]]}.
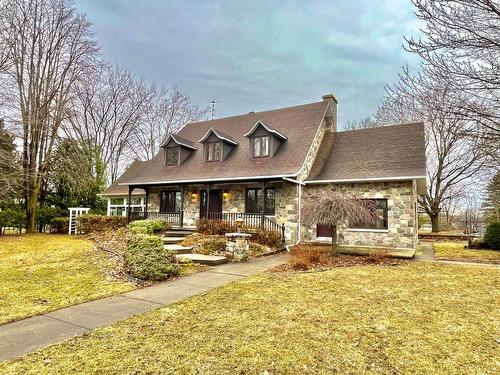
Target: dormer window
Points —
{"points": [[261, 146], [264, 141], [213, 151], [177, 149], [172, 155], [217, 145]]}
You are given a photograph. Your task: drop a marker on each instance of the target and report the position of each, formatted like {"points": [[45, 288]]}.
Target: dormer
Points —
{"points": [[264, 141], [177, 149], [216, 145]]}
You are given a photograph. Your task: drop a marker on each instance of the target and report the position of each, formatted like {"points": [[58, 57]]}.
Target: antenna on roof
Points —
{"points": [[212, 108]]}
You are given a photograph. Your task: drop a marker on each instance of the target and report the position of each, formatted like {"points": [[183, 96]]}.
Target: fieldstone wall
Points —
{"points": [[401, 199], [311, 154]]}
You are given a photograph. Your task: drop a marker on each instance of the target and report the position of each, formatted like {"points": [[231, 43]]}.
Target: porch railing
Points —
{"points": [[250, 221]]}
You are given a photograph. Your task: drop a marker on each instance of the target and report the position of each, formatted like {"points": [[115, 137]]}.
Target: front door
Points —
{"points": [[323, 231], [210, 206]]}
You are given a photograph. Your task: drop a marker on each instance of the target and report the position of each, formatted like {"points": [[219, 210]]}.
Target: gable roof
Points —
{"points": [[299, 123], [116, 189], [268, 128], [181, 141], [388, 152], [219, 134]]}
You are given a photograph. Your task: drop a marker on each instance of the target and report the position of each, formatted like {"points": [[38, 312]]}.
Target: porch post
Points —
{"points": [[263, 215], [208, 201], [130, 189], [146, 189], [181, 216]]}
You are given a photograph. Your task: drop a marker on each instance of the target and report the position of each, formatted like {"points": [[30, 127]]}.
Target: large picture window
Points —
{"points": [[172, 155], [380, 222], [261, 147], [170, 201], [118, 206], [254, 201], [213, 151]]}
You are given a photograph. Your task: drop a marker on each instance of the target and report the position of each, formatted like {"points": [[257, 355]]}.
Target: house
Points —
{"points": [[262, 166]]}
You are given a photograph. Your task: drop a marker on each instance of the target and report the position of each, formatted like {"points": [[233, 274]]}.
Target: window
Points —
{"points": [[117, 201], [118, 206], [213, 151], [172, 155], [261, 147], [170, 201], [381, 221], [254, 201]]}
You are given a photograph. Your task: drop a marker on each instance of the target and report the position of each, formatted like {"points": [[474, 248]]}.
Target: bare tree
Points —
{"points": [[46, 47], [107, 109], [454, 153], [167, 111], [461, 44], [10, 166], [364, 123], [334, 209]]}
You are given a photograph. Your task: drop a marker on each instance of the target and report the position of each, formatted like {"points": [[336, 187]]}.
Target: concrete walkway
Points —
{"points": [[31, 334], [427, 252]]}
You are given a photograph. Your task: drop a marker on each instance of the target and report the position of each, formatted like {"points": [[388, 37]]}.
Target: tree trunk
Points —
{"points": [[333, 230], [31, 208], [435, 222]]}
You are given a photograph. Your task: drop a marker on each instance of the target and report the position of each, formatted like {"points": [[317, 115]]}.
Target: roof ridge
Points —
{"points": [[254, 113], [382, 127]]}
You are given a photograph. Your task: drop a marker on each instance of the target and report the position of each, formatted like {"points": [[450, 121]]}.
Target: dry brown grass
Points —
{"points": [[418, 318], [311, 257], [456, 251]]}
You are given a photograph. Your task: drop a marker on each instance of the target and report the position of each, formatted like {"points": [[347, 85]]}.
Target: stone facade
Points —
{"points": [[313, 150], [401, 200]]}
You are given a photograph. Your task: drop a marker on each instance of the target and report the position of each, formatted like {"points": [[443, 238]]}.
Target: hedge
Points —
{"points": [[59, 225], [12, 218], [147, 259], [492, 236], [152, 226], [99, 223]]}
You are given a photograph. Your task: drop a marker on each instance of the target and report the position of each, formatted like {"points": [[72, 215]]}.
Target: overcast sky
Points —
{"points": [[259, 55]]}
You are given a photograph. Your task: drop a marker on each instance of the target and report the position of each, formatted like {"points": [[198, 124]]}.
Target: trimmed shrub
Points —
{"points": [[59, 225], [98, 223], [45, 215], [266, 238], [492, 236], [138, 230], [219, 227], [147, 259], [152, 226]]}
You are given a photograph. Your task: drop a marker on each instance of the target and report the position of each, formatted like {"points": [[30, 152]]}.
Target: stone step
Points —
{"points": [[209, 260], [177, 233], [172, 240], [178, 249]]}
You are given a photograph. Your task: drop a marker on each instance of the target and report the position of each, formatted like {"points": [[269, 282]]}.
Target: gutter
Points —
{"points": [[401, 178]]}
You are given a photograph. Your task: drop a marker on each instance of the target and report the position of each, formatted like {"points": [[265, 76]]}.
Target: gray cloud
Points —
{"points": [[257, 55]]}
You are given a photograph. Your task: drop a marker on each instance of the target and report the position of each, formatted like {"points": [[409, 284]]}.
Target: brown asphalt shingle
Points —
{"points": [[299, 124], [390, 151]]}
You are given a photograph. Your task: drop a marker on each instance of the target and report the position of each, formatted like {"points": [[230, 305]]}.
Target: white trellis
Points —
{"points": [[74, 212]]}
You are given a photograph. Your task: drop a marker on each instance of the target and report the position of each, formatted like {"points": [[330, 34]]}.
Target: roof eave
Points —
{"points": [[268, 128]]}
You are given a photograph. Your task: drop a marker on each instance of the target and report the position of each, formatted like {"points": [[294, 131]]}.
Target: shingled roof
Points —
{"points": [[388, 152], [299, 124], [115, 189]]}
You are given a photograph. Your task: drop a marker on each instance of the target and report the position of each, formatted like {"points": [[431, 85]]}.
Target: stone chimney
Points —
{"points": [[331, 116]]}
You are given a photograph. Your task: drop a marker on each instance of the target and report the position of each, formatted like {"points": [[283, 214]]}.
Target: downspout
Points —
{"points": [[299, 206]]}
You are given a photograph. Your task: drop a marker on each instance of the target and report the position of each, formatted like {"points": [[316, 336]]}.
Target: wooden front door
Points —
{"points": [[210, 205], [323, 231]]}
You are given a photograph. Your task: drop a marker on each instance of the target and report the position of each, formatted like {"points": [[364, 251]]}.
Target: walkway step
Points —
{"points": [[209, 260], [172, 240], [177, 233], [178, 249]]}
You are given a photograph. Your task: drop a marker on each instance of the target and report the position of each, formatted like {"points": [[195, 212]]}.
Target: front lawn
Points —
{"points": [[457, 251], [44, 272], [414, 318]]}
